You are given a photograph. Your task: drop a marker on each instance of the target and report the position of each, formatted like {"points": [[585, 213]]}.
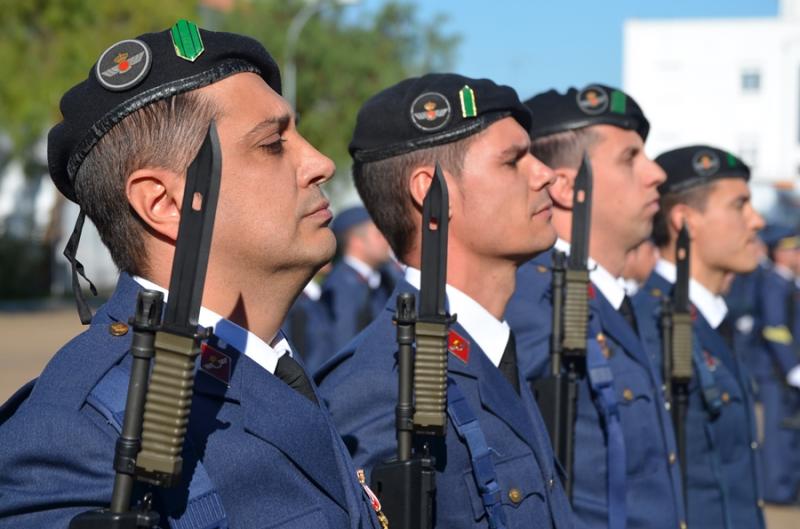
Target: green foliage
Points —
{"points": [[48, 46], [341, 62]]}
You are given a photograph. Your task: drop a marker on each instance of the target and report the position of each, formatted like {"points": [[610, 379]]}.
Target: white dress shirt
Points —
{"points": [[611, 287], [712, 307], [257, 350], [490, 333]]}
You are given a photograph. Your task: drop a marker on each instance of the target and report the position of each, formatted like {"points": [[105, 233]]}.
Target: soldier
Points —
{"points": [[707, 189], [308, 325], [357, 288], [258, 451], [499, 217], [776, 366], [624, 456]]}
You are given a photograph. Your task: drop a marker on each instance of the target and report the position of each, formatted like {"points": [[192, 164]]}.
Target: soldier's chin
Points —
{"points": [[326, 246]]}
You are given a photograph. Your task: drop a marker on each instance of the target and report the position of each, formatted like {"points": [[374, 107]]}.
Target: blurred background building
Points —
{"points": [[729, 82]]}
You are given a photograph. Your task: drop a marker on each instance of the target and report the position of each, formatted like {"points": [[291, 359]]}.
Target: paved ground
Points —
{"points": [[28, 339]]}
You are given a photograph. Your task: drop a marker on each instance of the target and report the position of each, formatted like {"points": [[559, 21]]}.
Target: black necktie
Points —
{"points": [[290, 372], [726, 330], [508, 363], [626, 309]]}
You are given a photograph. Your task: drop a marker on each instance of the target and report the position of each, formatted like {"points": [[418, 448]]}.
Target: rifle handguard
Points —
{"points": [[430, 378], [682, 348], [166, 412], [576, 309]]}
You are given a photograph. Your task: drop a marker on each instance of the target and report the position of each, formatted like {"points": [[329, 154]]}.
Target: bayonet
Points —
{"points": [[177, 343]]}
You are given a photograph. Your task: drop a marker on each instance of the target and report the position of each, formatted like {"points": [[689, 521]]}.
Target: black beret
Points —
{"points": [[595, 104], [698, 165], [136, 72], [431, 110]]}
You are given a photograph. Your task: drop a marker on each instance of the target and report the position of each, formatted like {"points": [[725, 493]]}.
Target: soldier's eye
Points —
{"points": [[275, 147]]}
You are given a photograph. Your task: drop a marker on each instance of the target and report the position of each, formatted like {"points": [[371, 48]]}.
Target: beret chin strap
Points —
{"points": [[70, 252]]}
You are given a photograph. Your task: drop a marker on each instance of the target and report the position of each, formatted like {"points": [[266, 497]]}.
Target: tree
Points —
{"points": [[47, 46], [342, 62]]}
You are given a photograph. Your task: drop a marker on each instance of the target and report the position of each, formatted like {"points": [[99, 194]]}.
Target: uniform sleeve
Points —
{"points": [[776, 325], [529, 313], [54, 464]]}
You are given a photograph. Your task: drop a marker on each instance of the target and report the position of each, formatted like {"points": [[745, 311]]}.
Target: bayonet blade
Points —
{"points": [[435, 211], [581, 216], [192, 248], [681, 296]]}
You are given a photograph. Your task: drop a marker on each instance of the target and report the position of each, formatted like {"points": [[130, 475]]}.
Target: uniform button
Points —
{"points": [[515, 495], [754, 445], [542, 269], [726, 397], [627, 394], [683, 525], [667, 406], [672, 458], [550, 483], [118, 328], [760, 503]]}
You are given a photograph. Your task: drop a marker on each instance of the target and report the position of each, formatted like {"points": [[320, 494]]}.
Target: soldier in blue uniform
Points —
{"points": [[308, 327], [707, 189], [499, 217], [357, 288], [776, 366], [258, 452], [624, 471]]}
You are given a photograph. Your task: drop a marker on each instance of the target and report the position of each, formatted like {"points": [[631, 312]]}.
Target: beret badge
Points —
{"points": [[124, 65], [430, 111], [593, 100], [705, 163]]}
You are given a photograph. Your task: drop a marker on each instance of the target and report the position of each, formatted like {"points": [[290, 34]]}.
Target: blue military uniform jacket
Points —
{"points": [[773, 355], [360, 387], [723, 467], [652, 492], [351, 303], [273, 456], [308, 328]]}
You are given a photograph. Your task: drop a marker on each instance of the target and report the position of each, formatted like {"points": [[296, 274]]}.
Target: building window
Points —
{"points": [[751, 81]]}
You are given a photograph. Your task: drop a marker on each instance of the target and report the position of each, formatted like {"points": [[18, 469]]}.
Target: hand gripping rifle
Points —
{"points": [[156, 414], [406, 484], [676, 333], [557, 394]]}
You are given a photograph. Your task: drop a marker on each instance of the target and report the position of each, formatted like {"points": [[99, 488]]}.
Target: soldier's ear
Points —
{"points": [[563, 187], [680, 214], [419, 183], [156, 195]]}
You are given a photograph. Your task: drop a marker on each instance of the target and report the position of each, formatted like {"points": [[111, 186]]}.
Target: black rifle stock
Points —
{"points": [[681, 351], [557, 394], [406, 484], [157, 411]]}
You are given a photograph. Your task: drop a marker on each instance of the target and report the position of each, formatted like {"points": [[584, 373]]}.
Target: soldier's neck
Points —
{"points": [[712, 278], [489, 281], [604, 248], [257, 302]]}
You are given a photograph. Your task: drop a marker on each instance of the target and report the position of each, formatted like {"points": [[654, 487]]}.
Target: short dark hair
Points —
{"points": [[383, 187], [564, 149], [165, 134], [694, 197]]}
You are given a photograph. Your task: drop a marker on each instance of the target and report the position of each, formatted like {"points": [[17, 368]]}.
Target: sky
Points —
{"points": [[534, 45]]}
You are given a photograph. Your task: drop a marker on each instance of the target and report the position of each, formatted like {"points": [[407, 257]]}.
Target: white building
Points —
{"points": [[733, 83]]}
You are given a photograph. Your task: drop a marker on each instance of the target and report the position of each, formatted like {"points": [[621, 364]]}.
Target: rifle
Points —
{"points": [[406, 484], [678, 358], [557, 394], [156, 414]]}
